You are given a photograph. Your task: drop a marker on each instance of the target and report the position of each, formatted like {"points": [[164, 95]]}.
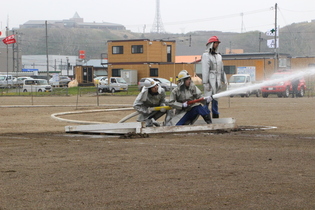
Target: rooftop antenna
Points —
{"points": [[157, 24]]}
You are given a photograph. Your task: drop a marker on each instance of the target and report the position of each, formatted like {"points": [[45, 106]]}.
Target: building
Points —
{"points": [[6, 59], [156, 58], [151, 58], [75, 22], [99, 66], [61, 64]]}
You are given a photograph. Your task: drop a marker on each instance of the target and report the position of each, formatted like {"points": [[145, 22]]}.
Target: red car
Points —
{"points": [[283, 88]]}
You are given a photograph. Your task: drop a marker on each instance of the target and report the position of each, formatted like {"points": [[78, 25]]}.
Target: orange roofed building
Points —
{"points": [[187, 58]]}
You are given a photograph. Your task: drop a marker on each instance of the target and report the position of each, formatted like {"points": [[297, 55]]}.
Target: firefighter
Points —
{"points": [[151, 95], [185, 113], [213, 75], [295, 83]]}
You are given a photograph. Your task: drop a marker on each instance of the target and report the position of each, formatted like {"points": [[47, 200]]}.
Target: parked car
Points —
{"points": [[116, 84], [283, 88], [59, 80], [164, 83], [36, 85], [6, 81], [99, 80], [241, 81], [18, 81]]}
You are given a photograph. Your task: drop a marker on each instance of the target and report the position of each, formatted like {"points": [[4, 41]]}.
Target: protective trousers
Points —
{"points": [[192, 114]]}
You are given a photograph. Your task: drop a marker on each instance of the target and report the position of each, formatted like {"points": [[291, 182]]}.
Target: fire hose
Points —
{"points": [[158, 108]]}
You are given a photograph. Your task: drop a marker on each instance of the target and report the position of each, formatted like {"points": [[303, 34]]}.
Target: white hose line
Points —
{"points": [[55, 116], [128, 117], [35, 106]]}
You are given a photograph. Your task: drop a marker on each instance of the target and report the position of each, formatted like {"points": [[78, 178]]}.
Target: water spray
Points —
{"points": [[265, 83]]}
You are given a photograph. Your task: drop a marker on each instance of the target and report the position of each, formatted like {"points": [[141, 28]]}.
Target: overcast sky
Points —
{"points": [[178, 16]]}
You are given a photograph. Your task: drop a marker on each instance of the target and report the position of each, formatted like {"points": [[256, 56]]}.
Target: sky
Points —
{"points": [[177, 16]]}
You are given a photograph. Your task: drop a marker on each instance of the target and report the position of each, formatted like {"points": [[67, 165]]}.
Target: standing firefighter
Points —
{"points": [[152, 95], [213, 75], [186, 113], [295, 84]]}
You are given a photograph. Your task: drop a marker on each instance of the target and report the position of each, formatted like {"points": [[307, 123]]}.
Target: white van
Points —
{"points": [[116, 84], [6, 81], [239, 81], [36, 85]]}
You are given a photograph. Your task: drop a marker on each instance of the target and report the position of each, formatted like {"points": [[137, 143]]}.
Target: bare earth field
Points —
{"points": [[42, 167]]}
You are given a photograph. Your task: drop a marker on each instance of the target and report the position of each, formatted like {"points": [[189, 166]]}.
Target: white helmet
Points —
{"points": [[149, 83], [183, 74]]}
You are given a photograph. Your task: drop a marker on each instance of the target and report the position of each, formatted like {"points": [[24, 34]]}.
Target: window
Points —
{"points": [[29, 82], [116, 72], [154, 72], [118, 50], [230, 69], [283, 62], [169, 53], [136, 49]]}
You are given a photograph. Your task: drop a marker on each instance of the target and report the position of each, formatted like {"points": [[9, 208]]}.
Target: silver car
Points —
{"points": [[164, 83], [60, 81], [116, 84]]}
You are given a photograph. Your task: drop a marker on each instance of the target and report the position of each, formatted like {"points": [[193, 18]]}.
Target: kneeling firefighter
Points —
{"points": [[151, 95], [181, 98]]}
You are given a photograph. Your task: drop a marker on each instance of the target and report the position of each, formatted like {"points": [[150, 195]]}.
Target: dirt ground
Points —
{"points": [[42, 167]]}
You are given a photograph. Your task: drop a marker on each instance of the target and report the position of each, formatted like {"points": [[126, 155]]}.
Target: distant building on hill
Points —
{"points": [[75, 22]]}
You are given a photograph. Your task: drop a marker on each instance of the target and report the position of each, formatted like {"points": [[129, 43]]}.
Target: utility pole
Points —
{"points": [[67, 66], [47, 51], [17, 52], [13, 54], [275, 37], [7, 34], [260, 40]]}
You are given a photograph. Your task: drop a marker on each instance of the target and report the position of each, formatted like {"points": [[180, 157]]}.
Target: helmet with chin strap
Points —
{"points": [[149, 83], [183, 74], [213, 39]]}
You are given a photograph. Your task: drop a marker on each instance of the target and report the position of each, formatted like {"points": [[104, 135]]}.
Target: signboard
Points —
{"points": [[55, 79], [82, 54], [29, 70], [251, 70], [271, 43], [269, 33]]}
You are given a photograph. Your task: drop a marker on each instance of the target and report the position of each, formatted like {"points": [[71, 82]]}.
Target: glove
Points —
{"points": [[208, 99], [206, 87], [162, 110], [185, 104]]}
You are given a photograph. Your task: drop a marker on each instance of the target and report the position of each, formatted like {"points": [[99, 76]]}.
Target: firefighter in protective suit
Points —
{"points": [[151, 95], [185, 113], [213, 75]]}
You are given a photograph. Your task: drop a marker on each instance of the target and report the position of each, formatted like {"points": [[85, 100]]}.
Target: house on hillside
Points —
{"points": [[75, 22]]}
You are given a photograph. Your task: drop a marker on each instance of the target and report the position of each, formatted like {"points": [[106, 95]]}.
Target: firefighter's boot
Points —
{"points": [[215, 115], [207, 118]]}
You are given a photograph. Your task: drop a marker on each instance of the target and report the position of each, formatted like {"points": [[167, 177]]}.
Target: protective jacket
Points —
{"points": [[145, 100], [180, 95], [213, 75]]}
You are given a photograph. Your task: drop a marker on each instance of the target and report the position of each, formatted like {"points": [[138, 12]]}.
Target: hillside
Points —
{"points": [[295, 39]]}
